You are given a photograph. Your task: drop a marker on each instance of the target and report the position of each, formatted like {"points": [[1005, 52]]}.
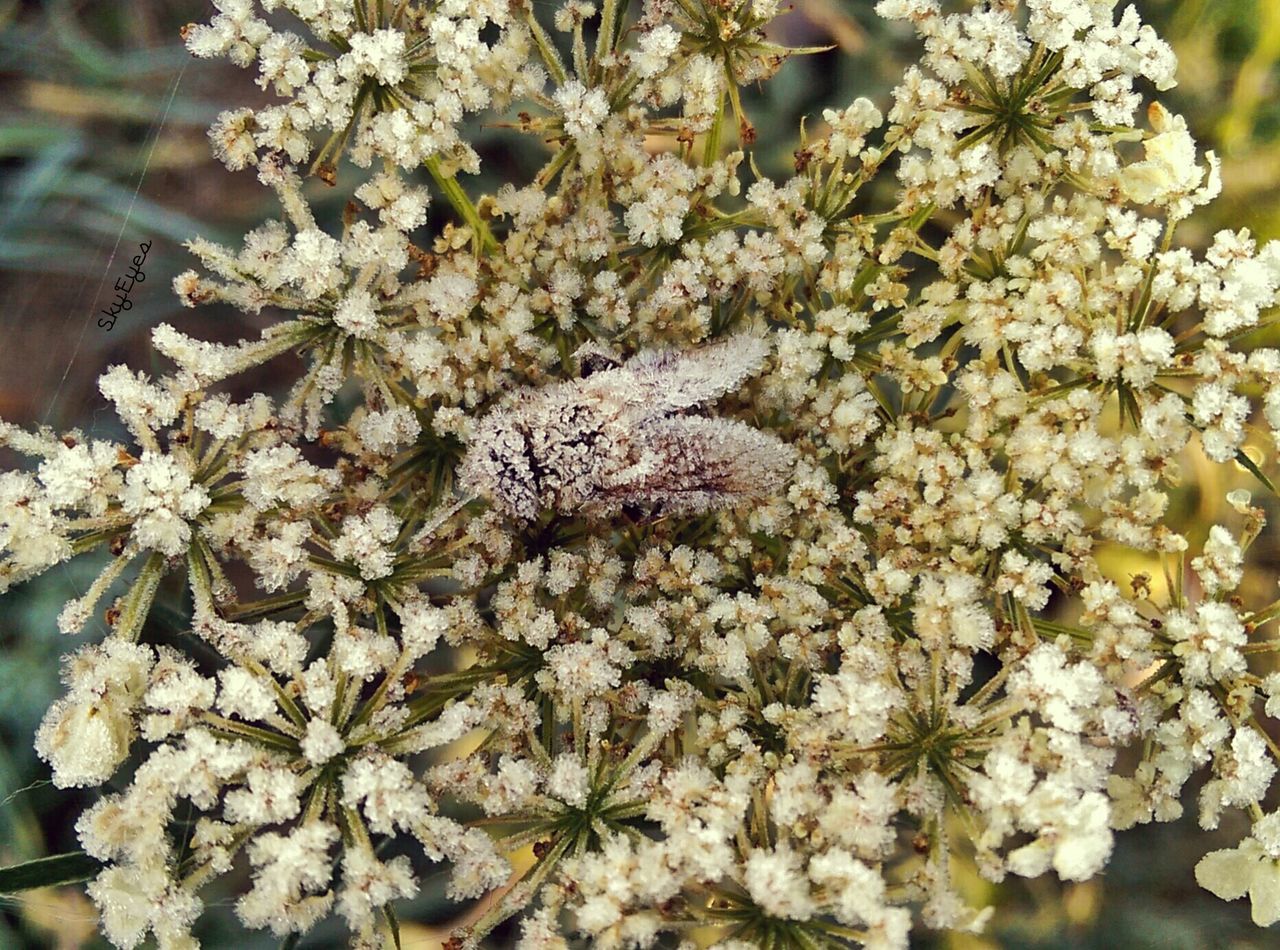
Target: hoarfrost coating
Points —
{"points": [[473, 586], [619, 438]]}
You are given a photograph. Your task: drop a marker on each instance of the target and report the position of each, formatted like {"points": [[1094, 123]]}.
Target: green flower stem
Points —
{"points": [[455, 195], [137, 603], [711, 148], [230, 729], [546, 49], [502, 908], [267, 605]]}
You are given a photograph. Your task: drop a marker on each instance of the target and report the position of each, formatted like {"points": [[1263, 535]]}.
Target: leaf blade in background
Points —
{"points": [[71, 868]]}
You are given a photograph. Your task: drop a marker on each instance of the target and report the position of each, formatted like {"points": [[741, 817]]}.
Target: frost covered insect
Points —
{"points": [[620, 436]]}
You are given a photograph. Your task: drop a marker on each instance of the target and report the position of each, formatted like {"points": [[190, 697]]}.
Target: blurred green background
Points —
{"points": [[102, 145]]}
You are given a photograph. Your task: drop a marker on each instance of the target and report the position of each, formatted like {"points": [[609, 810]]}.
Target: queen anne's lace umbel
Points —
{"points": [[663, 548]]}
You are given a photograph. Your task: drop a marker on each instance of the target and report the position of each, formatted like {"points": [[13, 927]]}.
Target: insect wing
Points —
{"points": [[693, 463], [671, 380]]}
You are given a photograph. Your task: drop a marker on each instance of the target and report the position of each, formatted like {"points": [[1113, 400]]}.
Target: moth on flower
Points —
{"points": [[620, 436]]}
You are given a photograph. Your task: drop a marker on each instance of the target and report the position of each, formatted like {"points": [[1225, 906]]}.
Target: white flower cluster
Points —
{"points": [[731, 547], [390, 86]]}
